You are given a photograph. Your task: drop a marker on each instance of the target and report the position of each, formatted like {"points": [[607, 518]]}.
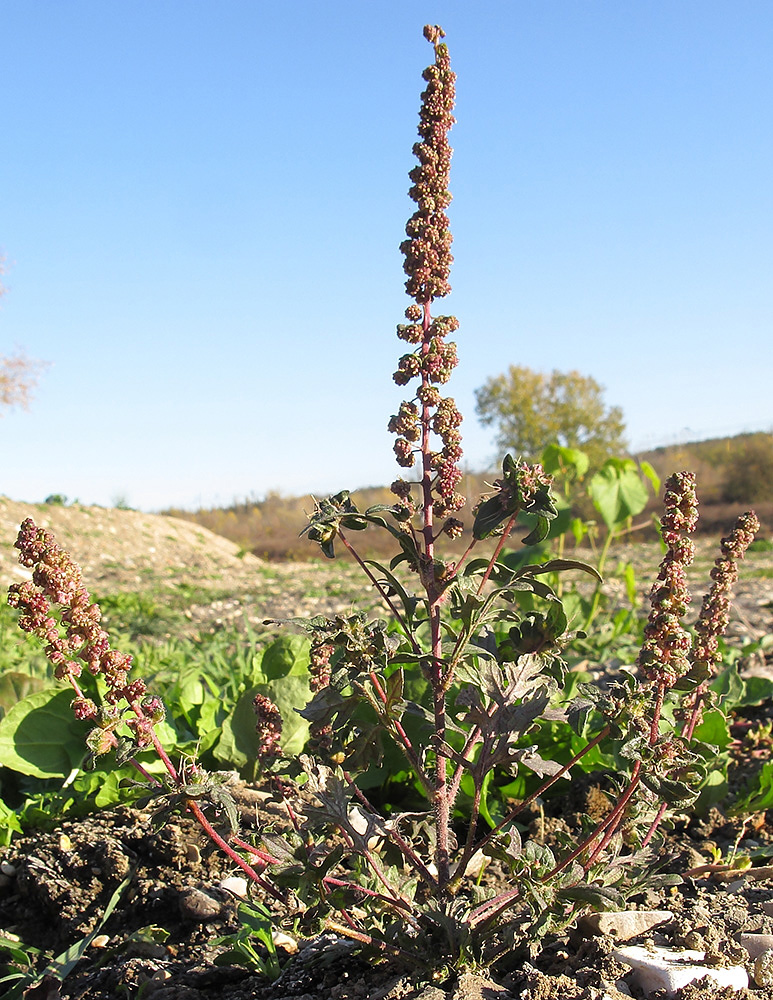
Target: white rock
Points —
{"points": [[282, 940], [624, 924], [668, 969], [236, 885], [8, 869]]}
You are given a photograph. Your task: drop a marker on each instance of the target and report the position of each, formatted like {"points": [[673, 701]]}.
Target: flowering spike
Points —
{"points": [[428, 263], [664, 653]]}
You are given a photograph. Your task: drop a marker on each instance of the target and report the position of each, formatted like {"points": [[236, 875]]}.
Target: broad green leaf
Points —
{"points": [[288, 655], [758, 690], [557, 459], [41, 737], [713, 729], [14, 686], [618, 492]]}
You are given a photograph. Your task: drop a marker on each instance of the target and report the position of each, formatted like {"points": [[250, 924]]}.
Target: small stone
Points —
{"points": [[101, 941], [667, 969], [623, 924], [767, 907], [146, 949], [236, 885], [762, 971], [755, 944], [6, 868], [284, 941], [192, 854], [65, 844], [196, 904]]}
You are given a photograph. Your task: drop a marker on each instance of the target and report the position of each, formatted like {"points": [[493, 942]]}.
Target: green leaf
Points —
{"points": [[288, 655], [14, 686], [730, 687], [41, 737], [650, 473], [713, 729], [557, 459], [618, 492], [761, 795], [758, 690], [63, 964], [559, 565]]}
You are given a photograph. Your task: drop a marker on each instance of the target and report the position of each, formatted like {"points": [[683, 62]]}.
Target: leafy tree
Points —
{"points": [[531, 410]]}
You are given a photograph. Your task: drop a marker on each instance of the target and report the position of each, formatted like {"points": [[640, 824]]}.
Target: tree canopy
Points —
{"points": [[531, 410]]}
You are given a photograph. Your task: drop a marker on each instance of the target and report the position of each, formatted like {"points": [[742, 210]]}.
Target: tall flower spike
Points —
{"points": [[664, 653], [428, 261]]}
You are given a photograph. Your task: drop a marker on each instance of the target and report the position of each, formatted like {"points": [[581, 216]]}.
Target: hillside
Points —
{"points": [[734, 474]]}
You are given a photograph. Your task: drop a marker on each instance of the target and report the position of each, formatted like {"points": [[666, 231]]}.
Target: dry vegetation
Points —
{"points": [[733, 474]]}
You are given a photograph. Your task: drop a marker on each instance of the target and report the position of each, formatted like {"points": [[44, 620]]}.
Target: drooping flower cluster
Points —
{"points": [[664, 656], [427, 263], [714, 615], [77, 638]]}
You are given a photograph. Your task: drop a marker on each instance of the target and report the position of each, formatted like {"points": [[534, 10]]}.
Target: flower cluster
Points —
{"points": [[428, 262], [664, 656], [714, 614], [77, 638], [268, 727], [428, 248]]}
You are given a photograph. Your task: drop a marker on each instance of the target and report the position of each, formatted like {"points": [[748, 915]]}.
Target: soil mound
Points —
{"points": [[126, 549]]}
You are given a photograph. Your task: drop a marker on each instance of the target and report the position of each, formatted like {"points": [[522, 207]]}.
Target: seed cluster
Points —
{"points": [[664, 656], [268, 726], [428, 261], [714, 615], [77, 638]]}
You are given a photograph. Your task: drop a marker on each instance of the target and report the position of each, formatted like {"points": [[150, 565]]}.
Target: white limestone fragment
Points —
{"points": [[667, 969]]}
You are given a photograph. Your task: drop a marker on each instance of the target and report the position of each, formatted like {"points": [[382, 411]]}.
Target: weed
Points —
{"points": [[457, 688]]}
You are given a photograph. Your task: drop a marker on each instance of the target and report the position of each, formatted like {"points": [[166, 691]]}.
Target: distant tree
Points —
{"points": [[18, 374], [531, 410]]}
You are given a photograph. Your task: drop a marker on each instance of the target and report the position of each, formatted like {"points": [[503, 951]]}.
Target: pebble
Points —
{"points": [[284, 941], [623, 924], [767, 907], [236, 885], [196, 904], [668, 969], [6, 868], [101, 941], [762, 971], [755, 944]]}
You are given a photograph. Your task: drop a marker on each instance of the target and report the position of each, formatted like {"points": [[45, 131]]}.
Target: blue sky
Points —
{"points": [[201, 205]]}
